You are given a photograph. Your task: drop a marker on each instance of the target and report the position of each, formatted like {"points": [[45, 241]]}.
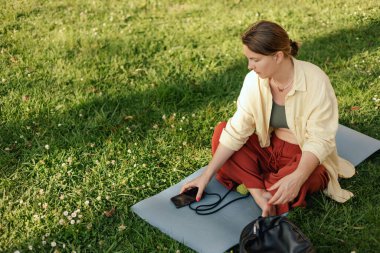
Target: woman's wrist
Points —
{"points": [[209, 173], [299, 176]]}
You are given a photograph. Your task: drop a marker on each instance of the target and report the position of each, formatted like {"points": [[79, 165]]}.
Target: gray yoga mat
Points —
{"points": [[220, 231], [354, 146]]}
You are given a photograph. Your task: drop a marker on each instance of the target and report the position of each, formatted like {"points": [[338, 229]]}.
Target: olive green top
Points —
{"points": [[277, 116]]}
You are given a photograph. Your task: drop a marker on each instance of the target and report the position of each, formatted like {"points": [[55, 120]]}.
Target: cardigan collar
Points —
{"points": [[299, 83]]}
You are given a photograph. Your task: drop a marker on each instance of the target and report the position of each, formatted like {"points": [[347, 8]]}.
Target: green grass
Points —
{"points": [[93, 81]]}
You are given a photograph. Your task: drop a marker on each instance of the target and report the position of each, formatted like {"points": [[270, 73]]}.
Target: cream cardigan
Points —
{"points": [[311, 113]]}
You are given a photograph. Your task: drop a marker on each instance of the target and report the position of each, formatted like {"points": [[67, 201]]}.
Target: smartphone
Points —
{"points": [[185, 198]]}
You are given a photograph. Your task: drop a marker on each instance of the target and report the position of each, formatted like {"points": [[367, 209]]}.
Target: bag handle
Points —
{"points": [[256, 227]]}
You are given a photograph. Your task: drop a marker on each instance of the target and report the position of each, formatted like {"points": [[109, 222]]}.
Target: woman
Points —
{"points": [[280, 143]]}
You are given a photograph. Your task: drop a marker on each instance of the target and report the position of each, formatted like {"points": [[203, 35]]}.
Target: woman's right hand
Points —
{"points": [[200, 182], [220, 157]]}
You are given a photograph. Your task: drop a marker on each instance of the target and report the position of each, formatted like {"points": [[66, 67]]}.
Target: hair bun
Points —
{"points": [[293, 48]]}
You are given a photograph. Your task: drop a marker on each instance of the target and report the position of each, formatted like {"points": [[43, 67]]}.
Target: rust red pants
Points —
{"points": [[258, 167]]}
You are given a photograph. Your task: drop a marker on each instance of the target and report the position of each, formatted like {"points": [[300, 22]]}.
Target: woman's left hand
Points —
{"points": [[287, 187]]}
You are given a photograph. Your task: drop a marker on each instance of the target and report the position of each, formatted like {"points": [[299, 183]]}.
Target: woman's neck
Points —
{"points": [[285, 72]]}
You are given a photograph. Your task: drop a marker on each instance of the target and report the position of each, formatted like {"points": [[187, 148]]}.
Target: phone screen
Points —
{"points": [[185, 198]]}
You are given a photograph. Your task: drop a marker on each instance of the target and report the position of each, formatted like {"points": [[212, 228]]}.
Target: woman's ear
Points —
{"points": [[279, 56]]}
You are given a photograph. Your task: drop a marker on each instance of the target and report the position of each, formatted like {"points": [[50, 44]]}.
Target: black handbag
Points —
{"points": [[274, 234]]}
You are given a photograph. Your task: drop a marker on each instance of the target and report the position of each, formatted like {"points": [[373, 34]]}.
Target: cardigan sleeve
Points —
{"points": [[322, 123], [242, 124]]}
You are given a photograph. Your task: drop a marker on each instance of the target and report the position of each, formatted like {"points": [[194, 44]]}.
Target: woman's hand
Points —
{"points": [[221, 155], [287, 187], [200, 182]]}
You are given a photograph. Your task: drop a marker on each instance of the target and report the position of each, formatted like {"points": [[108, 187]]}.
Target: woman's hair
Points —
{"points": [[267, 38]]}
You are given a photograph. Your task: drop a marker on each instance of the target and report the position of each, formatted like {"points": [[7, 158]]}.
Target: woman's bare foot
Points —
{"points": [[262, 197], [268, 210]]}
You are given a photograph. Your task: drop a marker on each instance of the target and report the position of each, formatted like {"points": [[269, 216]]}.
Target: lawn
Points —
{"points": [[106, 103]]}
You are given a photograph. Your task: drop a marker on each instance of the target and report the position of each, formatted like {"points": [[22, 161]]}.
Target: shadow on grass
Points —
{"points": [[104, 117], [332, 52], [343, 44]]}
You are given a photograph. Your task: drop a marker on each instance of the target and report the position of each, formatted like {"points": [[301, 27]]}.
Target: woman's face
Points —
{"points": [[263, 65]]}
